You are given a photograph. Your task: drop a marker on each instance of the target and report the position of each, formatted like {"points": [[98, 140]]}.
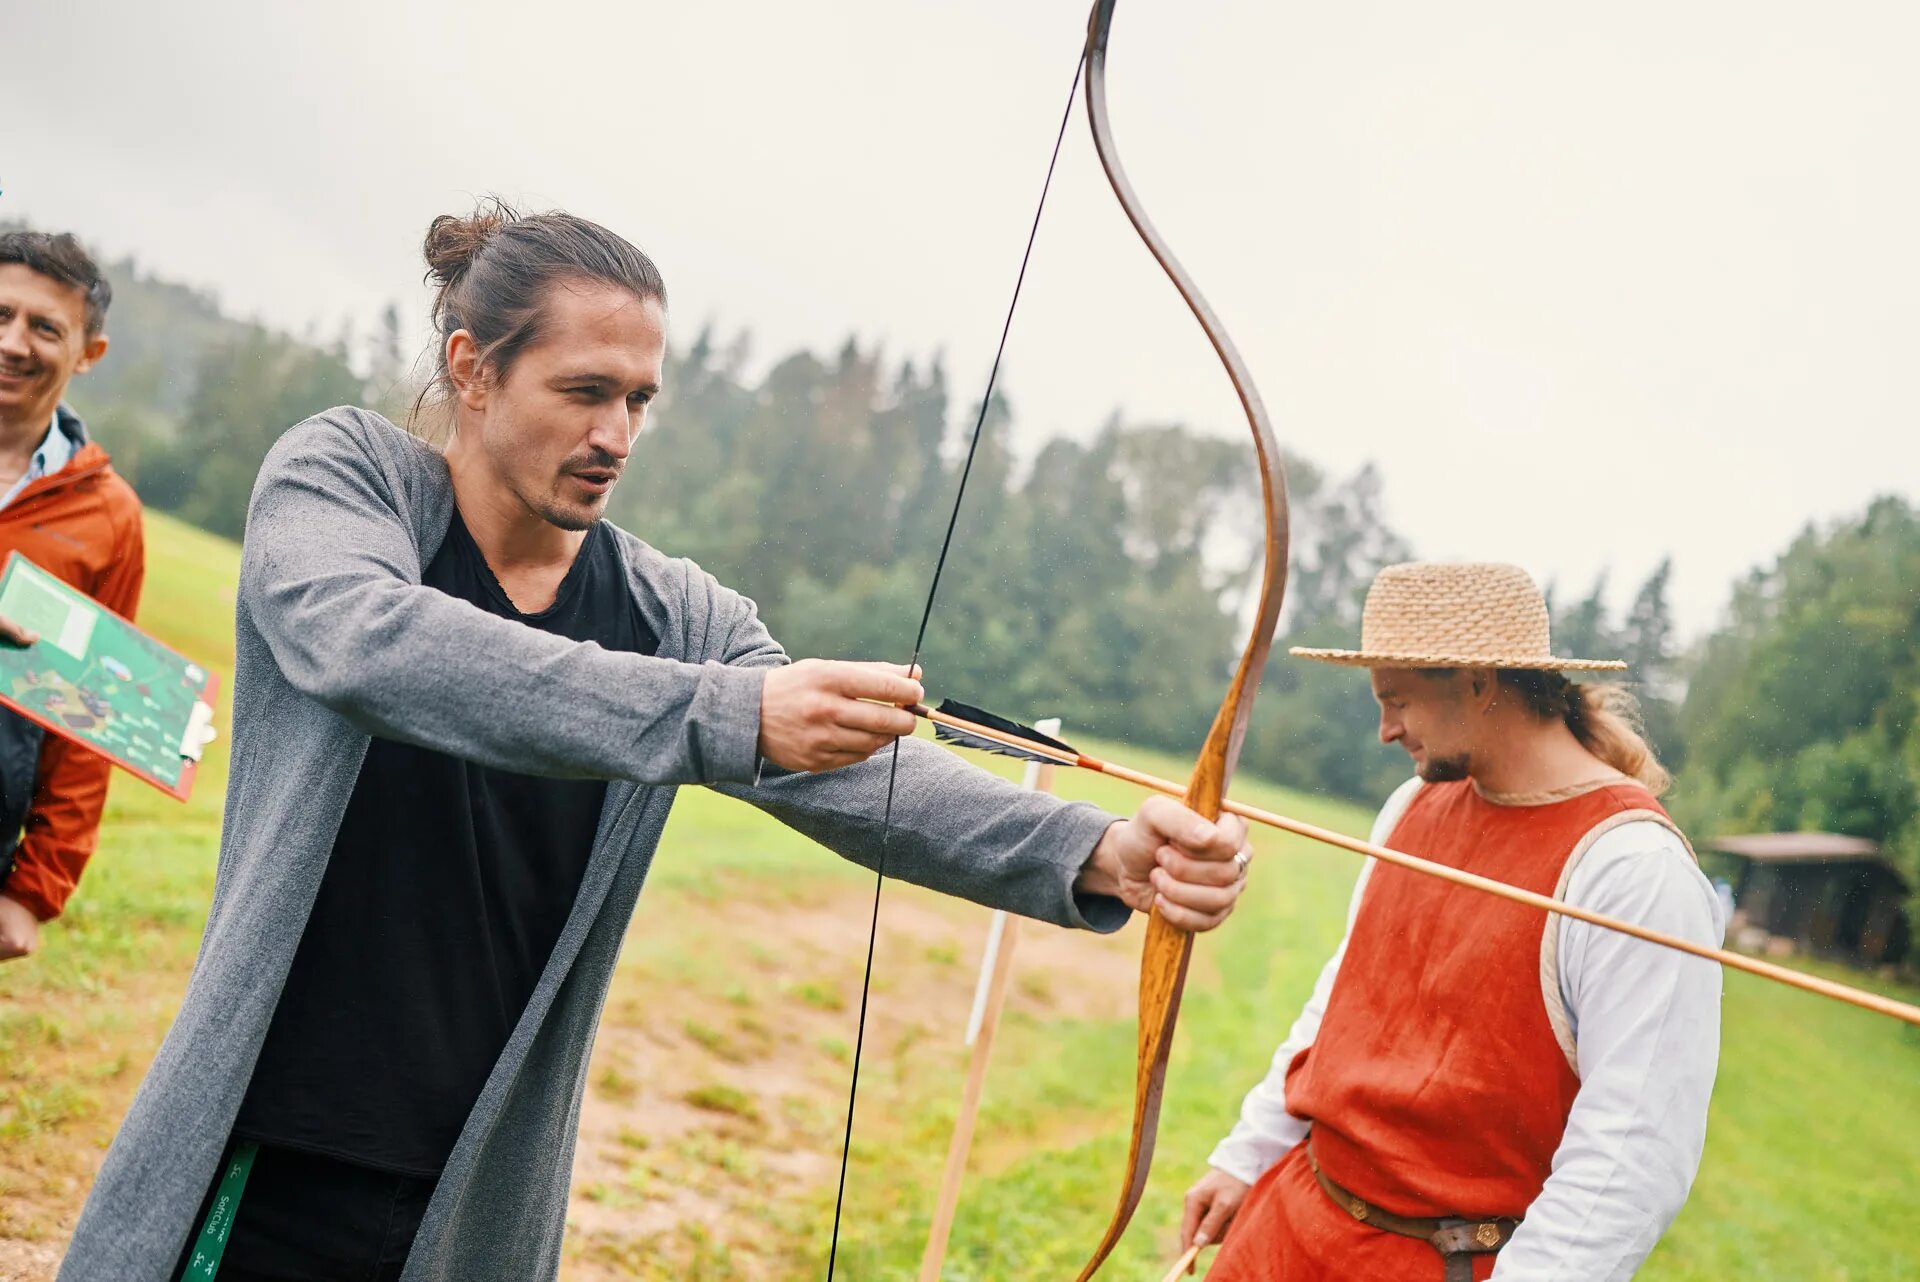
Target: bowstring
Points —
{"points": [[919, 639]]}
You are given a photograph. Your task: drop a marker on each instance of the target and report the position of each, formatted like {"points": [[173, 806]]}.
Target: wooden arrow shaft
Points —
{"points": [[1185, 1262], [1751, 965]]}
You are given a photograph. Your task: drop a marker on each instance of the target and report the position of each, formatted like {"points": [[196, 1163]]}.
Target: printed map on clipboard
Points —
{"points": [[102, 682]]}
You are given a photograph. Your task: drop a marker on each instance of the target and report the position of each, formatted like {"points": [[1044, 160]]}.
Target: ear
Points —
{"points": [[1481, 686], [465, 371], [90, 355]]}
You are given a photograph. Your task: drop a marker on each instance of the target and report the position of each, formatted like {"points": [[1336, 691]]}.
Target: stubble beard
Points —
{"points": [[572, 517], [555, 510], [577, 515]]}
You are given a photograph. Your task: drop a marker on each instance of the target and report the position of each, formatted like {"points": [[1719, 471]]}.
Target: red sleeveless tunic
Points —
{"points": [[1437, 1085]]}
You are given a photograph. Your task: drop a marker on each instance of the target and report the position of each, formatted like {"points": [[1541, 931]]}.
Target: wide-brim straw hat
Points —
{"points": [[1428, 614]]}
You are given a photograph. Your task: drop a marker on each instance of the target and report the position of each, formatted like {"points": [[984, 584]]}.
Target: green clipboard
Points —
{"points": [[101, 682]]}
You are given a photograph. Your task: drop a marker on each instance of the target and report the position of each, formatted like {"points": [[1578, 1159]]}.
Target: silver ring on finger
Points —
{"points": [[1241, 859]]}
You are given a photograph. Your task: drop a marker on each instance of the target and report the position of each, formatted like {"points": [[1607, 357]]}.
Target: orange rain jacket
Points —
{"points": [[83, 524]]}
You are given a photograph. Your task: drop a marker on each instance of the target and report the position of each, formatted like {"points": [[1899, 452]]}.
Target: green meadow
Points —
{"points": [[716, 1101]]}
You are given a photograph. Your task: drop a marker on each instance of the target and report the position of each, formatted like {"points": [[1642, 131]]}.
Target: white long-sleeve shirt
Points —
{"points": [[1646, 1025]]}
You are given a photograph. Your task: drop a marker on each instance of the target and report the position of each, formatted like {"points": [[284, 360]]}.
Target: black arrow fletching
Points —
{"points": [[993, 721]]}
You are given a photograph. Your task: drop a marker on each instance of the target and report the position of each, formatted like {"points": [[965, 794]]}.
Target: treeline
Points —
{"points": [[1801, 711], [1103, 580]]}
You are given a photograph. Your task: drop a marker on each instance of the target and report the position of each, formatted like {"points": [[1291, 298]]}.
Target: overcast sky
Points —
{"points": [[1593, 284]]}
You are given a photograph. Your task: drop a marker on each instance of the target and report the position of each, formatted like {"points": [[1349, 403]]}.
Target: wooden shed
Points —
{"points": [[1832, 895]]}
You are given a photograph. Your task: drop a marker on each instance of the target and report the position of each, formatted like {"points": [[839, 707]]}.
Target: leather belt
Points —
{"points": [[1457, 1239]]}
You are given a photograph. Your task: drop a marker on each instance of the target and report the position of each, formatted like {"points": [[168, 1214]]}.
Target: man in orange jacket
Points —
{"points": [[63, 507]]}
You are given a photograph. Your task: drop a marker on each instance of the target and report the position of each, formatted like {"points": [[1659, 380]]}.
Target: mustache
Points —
{"points": [[597, 461]]}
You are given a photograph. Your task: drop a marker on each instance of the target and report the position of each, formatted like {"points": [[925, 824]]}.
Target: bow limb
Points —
{"points": [[1163, 961]]}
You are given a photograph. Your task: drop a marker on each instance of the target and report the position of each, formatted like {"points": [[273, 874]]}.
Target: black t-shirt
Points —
{"points": [[446, 889]]}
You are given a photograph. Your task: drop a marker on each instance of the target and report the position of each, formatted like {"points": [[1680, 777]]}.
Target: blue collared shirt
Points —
{"points": [[55, 452]]}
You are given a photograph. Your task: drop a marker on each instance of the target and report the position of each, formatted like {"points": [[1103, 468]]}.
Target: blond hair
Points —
{"points": [[1603, 715]]}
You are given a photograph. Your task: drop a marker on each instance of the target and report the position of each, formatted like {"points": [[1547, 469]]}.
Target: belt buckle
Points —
{"points": [[1357, 1208], [1488, 1234]]}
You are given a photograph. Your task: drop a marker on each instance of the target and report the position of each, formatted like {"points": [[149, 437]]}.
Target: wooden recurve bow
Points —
{"points": [[1163, 961]]}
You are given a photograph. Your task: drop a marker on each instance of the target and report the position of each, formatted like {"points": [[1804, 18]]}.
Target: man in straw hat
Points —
{"points": [[1474, 1090]]}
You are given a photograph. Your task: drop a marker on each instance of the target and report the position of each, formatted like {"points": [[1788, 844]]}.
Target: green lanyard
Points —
{"points": [[212, 1242]]}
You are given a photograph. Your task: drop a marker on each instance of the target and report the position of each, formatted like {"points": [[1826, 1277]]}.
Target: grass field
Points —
{"points": [[710, 1141]]}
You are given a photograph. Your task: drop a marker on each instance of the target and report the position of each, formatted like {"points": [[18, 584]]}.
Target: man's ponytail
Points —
{"points": [[1603, 715]]}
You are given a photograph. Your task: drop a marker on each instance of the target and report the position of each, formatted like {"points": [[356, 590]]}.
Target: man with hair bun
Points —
{"points": [[462, 704], [1476, 1089], [63, 507]]}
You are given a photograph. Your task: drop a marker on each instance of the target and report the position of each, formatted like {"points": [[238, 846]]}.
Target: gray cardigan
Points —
{"points": [[336, 640]]}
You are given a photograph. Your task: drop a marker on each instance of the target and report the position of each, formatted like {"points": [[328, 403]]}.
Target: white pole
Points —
{"points": [[997, 929], [989, 995]]}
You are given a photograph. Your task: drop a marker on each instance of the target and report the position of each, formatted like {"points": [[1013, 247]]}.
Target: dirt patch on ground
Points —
{"points": [[27, 1259], [712, 1127], [718, 1089]]}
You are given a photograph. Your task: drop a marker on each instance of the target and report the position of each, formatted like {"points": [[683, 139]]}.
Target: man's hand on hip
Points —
{"points": [[1168, 856], [822, 714], [19, 929]]}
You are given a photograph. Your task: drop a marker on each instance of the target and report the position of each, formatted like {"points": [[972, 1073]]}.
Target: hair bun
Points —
{"points": [[454, 242]]}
